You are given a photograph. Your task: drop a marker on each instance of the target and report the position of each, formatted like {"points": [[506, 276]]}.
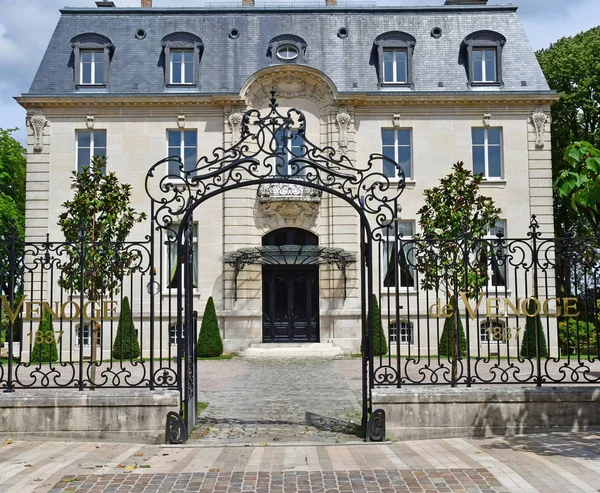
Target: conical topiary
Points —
{"points": [[528, 344], [126, 345], [447, 337], [379, 340], [44, 348], [210, 344]]}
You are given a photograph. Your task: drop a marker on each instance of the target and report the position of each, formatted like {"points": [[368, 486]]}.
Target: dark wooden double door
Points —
{"points": [[290, 303]]}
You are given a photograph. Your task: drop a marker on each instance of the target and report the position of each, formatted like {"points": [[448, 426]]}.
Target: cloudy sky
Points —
{"points": [[26, 27]]}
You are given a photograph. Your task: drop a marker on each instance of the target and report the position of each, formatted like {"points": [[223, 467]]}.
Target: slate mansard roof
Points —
{"points": [[227, 63]]}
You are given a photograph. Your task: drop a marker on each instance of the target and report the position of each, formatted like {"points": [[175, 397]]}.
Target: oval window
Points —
{"points": [[287, 52]]}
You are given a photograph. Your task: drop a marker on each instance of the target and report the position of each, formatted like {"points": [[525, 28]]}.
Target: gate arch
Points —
{"points": [[257, 159]]}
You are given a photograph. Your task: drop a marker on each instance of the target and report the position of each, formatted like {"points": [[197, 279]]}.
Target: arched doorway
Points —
{"points": [[290, 291]]}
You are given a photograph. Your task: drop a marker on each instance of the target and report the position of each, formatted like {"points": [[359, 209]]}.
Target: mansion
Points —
{"points": [[426, 87]]}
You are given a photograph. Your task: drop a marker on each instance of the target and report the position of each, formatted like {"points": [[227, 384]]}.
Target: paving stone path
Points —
{"points": [[549, 463], [279, 400]]}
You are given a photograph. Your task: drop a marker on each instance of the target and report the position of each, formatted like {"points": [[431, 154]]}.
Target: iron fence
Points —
{"points": [[73, 316], [527, 310]]}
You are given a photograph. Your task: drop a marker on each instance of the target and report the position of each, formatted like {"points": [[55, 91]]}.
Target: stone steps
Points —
{"points": [[292, 350]]}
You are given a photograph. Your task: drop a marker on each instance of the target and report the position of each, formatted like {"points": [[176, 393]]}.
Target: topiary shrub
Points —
{"points": [[126, 345], [447, 337], [44, 349], [379, 340], [210, 344], [528, 344]]}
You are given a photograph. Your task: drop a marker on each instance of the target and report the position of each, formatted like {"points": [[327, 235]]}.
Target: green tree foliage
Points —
{"points": [[528, 343], [571, 68], [12, 184], [579, 182], [454, 210], [577, 335], [100, 211], [99, 216], [447, 337], [44, 348], [126, 345], [210, 344]]}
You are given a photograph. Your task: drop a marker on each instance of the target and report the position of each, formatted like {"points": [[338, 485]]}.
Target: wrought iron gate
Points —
{"points": [[264, 156]]}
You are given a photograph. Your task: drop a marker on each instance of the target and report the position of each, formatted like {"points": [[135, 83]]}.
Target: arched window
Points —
{"points": [[91, 59], [483, 57], [287, 48], [392, 56], [182, 58]]}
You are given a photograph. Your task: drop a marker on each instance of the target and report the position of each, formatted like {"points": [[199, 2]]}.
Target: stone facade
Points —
{"points": [[350, 121]]}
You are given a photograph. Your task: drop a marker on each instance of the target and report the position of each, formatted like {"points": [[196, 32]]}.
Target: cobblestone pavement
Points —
{"points": [[279, 400], [551, 463]]}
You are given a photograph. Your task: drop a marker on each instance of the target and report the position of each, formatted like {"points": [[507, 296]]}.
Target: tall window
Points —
{"points": [[493, 256], [90, 143], [289, 145], [392, 55], [92, 67], [483, 57], [395, 67], [484, 65], [487, 152], [402, 332], [172, 266], [182, 66], [183, 144], [396, 145], [398, 256]]}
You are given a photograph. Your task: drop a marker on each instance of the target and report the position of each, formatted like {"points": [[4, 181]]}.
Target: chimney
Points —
{"points": [[147, 4], [247, 3], [331, 3], [466, 2]]}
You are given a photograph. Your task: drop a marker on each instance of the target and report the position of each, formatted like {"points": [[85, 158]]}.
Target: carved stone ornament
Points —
{"points": [[289, 85], [90, 122], [343, 122], [487, 119], [288, 214], [38, 121], [235, 122], [538, 120], [396, 119], [181, 121]]}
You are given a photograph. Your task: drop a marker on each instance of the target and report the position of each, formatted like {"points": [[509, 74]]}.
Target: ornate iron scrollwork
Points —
{"points": [[175, 430], [376, 426]]}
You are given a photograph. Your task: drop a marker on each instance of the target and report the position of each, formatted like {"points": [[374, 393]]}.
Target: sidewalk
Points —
{"points": [[545, 463]]}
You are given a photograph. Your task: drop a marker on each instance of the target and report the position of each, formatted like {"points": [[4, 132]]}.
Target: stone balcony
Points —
{"points": [[292, 191]]}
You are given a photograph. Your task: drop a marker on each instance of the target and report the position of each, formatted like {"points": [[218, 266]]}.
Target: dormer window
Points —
{"points": [[287, 48], [392, 56], [484, 57], [182, 52], [91, 59]]}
